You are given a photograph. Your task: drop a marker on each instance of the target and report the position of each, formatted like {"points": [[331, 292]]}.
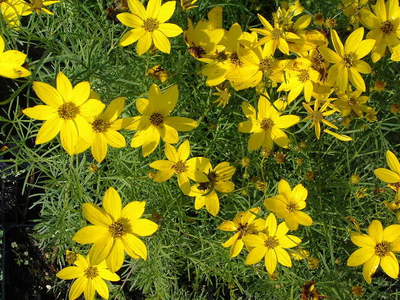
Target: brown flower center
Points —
{"points": [[352, 102], [197, 52], [265, 65], [387, 27], [318, 116], [243, 230], [91, 272], [319, 60], [276, 34], [68, 111], [382, 249], [234, 58], [150, 24], [179, 167], [37, 4], [291, 207], [271, 242], [100, 125], [267, 124], [156, 119], [303, 76], [117, 229], [348, 60]]}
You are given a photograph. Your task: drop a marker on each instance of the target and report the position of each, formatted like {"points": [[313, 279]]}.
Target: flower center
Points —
{"points": [[100, 125], [234, 58], [348, 61], [276, 34], [36, 4], [271, 242], [150, 24], [267, 124], [318, 116], [265, 65], [117, 229], [68, 111], [156, 119], [382, 249], [243, 230], [319, 60], [179, 167], [197, 52], [91, 272], [352, 102], [303, 76], [387, 27], [291, 207]]}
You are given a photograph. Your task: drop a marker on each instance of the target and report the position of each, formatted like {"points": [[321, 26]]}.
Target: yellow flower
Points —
{"points": [[179, 164], [317, 116], [377, 249], [155, 122], [218, 180], [149, 25], [104, 129], [275, 37], [188, 4], [65, 112], [384, 26], [158, 72], [243, 224], [11, 62], [12, 11], [288, 203], [391, 176], [115, 230], [90, 278], [39, 6], [351, 102], [347, 59], [300, 77], [271, 245], [224, 96], [266, 125]]}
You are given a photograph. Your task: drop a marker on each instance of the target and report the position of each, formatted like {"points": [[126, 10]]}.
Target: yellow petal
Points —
{"points": [[114, 109], [153, 8], [69, 136], [134, 246], [236, 248], [342, 137], [271, 225], [356, 79], [108, 275], [89, 290], [256, 140], [255, 255], [166, 11], [270, 261], [99, 147], [70, 273], [161, 41], [375, 231], [184, 150], [393, 162], [132, 36], [64, 86], [231, 240], [390, 265], [283, 257], [77, 287], [169, 29], [49, 130], [387, 175], [143, 227], [116, 257], [134, 210], [89, 234], [168, 134], [337, 44], [48, 94], [252, 240], [101, 249], [112, 203], [353, 41], [248, 110], [151, 141], [80, 93], [130, 20], [289, 241], [144, 43], [136, 7], [391, 233], [181, 123], [212, 203], [360, 256], [95, 215], [365, 48], [286, 121], [91, 108], [184, 183], [362, 240], [370, 268], [114, 139], [41, 112], [101, 287], [227, 226]]}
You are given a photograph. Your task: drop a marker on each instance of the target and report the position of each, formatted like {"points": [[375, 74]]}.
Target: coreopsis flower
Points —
{"points": [[223, 96], [179, 164], [65, 112], [11, 62], [243, 224], [384, 25], [188, 4], [266, 125], [353, 9], [275, 37], [39, 6], [105, 129], [115, 230], [351, 103], [12, 11], [158, 72], [377, 248], [271, 245], [317, 115], [288, 205], [310, 292], [218, 181], [347, 59], [89, 278], [149, 25], [300, 77], [391, 176], [155, 123]]}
